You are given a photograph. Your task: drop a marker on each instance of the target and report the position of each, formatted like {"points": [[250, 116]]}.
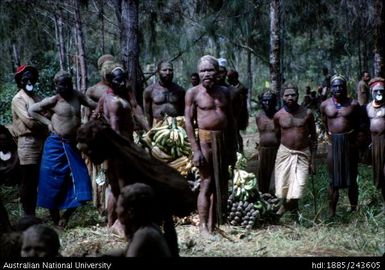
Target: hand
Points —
{"points": [[198, 159], [50, 127]]}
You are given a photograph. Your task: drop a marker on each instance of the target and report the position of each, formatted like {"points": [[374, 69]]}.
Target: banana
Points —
{"points": [[159, 154]]}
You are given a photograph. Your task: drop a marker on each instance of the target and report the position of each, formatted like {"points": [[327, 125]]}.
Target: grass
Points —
{"points": [[360, 233]]}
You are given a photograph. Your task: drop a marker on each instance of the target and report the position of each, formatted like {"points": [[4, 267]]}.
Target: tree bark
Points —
{"points": [[102, 30], [130, 47], [249, 81], [15, 54], [60, 40], [379, 39], [275, 68], [80, 46]]}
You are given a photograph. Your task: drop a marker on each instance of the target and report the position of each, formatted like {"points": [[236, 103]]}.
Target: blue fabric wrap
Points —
{"points": [[64, 181]]}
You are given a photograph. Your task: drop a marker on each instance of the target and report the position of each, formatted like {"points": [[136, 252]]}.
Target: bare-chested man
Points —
{"points": [[117, 111], [376, 114], [341, 115], [208, 106], [96, 91], [296, 153], [241, 113], [268, 142], [64, 181], [164, 97], [363, 92]]}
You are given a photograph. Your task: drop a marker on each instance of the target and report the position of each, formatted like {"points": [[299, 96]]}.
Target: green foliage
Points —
{"points": [[7, 91]]}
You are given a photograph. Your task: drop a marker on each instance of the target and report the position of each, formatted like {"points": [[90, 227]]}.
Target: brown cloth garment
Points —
{"points": [[378, 160], [219, 169], [265, 169], [345, 160]]}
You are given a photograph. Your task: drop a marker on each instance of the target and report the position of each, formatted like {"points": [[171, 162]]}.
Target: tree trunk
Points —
{"points": [[130, 46], [80, 46], [275, 69], [249, 81], [102, 30], [60, 40], [76, 62], [379, 39], [16, 56]]}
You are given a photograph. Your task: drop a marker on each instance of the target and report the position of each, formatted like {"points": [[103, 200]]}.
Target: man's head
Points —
{"points": [[136, 206], [26, 78], [290, 95], [40, 241], [92, 138], [63, 84], [222, 70], [377, 89], [307, 90], [166, 72], [195, 79], [232, 77], [117, 79], [365, 76], [208, 69], [268, 101], [104, 58], [338, 86]]}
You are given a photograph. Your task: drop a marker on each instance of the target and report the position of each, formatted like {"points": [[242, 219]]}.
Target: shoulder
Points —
{"points": [[150, 88], [354, 102], [18, 96]]}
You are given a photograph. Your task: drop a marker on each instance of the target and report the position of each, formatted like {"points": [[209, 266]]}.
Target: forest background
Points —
{"points": [[265, 41]]}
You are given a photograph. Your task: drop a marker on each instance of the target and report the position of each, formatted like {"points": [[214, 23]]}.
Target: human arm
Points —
{"points": [[36, 109], [86, 101], [313, 141], [113, 106], [190, 115], [138, 112], [147, 105]]}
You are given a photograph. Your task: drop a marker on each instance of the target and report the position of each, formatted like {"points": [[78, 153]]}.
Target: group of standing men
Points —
{"points": [[216, 109]]}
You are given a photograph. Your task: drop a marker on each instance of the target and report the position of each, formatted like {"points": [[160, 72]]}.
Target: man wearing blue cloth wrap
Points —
{"points": [[64, 182]]}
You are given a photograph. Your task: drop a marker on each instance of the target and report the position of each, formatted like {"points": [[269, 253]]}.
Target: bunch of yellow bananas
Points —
{"points": [[183, 165], [244, 184]]}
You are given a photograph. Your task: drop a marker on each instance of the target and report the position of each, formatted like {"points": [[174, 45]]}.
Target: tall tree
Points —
{"points": [[275, 42], [80, 47], [129, 44], [379, 38]]}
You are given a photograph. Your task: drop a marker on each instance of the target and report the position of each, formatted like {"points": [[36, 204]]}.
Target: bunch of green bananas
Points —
{"points": [[168, 141], [244, 184]]}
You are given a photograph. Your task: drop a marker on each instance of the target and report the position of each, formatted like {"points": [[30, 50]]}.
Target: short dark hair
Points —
{"points": [[163, 62], [194, 74]]}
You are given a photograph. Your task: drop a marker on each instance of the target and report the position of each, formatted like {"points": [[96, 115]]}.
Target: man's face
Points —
{"points": [[339, 89], [28, 81], [33, 246], [118, 81], [64, 86], [290, 97], [378, 93], [366, 77], [207, 73], [222, 74], [267, 102], [166, 72], [194, 80], [232, 80]]}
